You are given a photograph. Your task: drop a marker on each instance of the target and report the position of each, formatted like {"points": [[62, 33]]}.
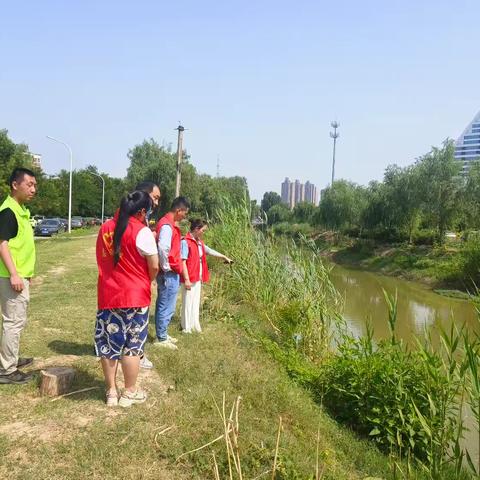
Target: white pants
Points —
{"points": [[190, 319], [14, 316]]}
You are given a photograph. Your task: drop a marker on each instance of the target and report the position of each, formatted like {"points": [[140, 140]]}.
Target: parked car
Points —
{"points": [[49, 227], [89, 221], [36, 220], [77, 222]]}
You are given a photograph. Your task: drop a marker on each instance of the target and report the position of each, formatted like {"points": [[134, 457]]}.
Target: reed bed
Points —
{"points": [[409, 401]]}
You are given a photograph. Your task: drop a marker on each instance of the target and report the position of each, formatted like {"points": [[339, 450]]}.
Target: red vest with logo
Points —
{"points": [[127, 284], [174, 257], [193, 260]]}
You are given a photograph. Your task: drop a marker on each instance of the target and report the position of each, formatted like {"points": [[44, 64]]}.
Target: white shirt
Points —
{"points": [[145, 242], [164, 247]]}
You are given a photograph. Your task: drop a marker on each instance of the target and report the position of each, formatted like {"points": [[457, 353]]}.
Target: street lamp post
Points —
{"points": [[70, 182], [179, 159], [334, 135], [103, 190]]}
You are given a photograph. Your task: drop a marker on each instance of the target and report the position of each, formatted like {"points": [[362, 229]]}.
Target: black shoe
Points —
{"points": [[17, 378], [24, 362]]}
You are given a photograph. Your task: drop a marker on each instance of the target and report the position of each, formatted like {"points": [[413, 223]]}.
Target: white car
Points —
{"points": [[36, 220]]}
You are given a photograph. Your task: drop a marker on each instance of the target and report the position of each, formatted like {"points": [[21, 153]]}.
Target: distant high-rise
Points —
{"points": [[287, 189], [299, 192], [467, 147], [36, 160], [296, 192], [311, 194]]}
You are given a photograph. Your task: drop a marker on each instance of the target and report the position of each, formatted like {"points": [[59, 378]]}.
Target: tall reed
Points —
{"points": [[287, 284]]}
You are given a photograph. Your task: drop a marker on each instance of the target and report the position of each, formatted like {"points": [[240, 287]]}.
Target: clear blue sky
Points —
{"points": [[255, 82]]}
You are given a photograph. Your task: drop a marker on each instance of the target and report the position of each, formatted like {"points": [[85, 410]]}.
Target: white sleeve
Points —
{"points": [[145, 242], [164, 247], [212, 252]]}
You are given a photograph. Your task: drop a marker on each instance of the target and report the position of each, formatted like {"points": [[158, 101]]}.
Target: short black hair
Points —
{"points": [[146, 187], [18, 174], [197, 223], [180, 203]]}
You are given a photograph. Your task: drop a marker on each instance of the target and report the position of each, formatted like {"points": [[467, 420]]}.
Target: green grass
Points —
{"points": [[77, 437], [434, 266]]}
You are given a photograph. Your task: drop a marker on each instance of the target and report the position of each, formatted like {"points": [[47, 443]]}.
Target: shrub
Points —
{"points": [[470, 261], [408, 401], [425, 237], [294, 230], [386, 235]]}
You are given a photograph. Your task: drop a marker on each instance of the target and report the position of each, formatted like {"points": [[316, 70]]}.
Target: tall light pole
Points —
{"points": [[70, 183], [334, 135], [179, 159], [103, 190]]}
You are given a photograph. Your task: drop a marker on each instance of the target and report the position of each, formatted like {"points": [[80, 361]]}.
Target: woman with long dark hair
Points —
{"points": [[127, 260]]}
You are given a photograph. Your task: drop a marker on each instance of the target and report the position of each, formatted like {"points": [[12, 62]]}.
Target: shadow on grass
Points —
{"points": [[72, 348]]}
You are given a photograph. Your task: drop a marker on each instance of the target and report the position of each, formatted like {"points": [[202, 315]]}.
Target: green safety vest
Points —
{"points": [[22, 247]]}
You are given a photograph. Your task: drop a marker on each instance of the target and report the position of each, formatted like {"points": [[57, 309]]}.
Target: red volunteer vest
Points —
{"points": [[174, 257], [126, 285], [193, 261]]}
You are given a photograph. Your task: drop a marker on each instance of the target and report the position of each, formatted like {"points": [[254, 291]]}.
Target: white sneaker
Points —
{"points": [[172, 339], [128, 398], [111, 399], [145, 362], [166, 344]]}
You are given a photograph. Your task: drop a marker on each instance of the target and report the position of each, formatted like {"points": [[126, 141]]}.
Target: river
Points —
{"points": [[418, 306]]}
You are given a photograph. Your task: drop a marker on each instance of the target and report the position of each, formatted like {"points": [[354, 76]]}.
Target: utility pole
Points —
{"points": [[218, 166], [179, 159], [334, 135]]}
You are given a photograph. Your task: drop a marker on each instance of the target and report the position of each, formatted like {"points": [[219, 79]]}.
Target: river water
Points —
{"points": [[418, 308]]}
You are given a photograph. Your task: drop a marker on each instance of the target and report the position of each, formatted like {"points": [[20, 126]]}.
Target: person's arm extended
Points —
{"points": [[214, 253], [152, 264], [15, 281]]}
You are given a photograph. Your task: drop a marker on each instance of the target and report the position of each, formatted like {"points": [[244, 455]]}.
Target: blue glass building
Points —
{"points": [[467, 147]]}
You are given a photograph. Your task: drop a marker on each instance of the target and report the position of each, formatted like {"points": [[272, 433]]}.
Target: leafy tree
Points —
{"points": [[278, 213], [341, 206], [404, 190], [440, 184], [150, 161], [469, 198], [377, 212], [304, 212], [269, 200], [11, 155], [255, 209], [49, 198]]}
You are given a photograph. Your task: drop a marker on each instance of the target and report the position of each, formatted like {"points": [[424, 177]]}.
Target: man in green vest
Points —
{"points": [[17, 263]]}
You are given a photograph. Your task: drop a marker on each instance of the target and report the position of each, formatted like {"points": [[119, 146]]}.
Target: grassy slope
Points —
{"points": [[425, 264], [77, 437]]}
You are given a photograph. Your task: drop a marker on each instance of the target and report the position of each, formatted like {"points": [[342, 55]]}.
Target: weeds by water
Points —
{"points": [[288, 286]]}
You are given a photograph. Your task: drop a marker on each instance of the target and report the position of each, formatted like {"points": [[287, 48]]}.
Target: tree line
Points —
{"points": [[418, 203], [148, 161]]}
